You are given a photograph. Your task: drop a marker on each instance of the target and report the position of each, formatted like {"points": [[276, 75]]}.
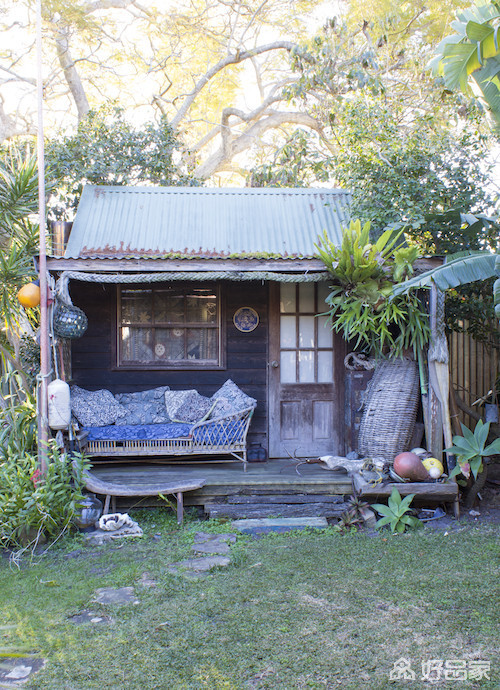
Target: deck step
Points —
{"points": [[265, 509], [277, 497], [266, 525]]}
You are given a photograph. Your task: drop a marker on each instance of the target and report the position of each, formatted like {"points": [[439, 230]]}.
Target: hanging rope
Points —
{"points": [[117, 278]]}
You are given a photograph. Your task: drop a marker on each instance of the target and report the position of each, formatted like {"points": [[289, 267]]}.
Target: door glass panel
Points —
{"points": [[323, 292], [306, 331], [288, 367], [306, 367], [288, 333], [325, 367], [306, 297], [325, 335], [287, 301]]}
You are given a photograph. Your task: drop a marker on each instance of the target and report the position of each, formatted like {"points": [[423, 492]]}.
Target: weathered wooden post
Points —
{"points": [[43, 426], [439, 382]]}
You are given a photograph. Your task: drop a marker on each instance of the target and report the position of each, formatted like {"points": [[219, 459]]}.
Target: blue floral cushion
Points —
{"points": [[230, 399], [187, 406], [95, 408], [136, 432], [144, 407]]}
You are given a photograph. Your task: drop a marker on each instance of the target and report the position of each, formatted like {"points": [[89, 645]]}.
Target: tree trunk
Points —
{"points": [[476, 488], [70, 72]]}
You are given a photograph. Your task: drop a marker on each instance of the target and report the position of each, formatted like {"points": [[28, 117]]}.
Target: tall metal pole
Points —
{"points": [[43, 423]]}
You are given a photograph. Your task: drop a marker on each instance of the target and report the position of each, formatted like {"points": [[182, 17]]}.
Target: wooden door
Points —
{"points": [[306, 411]]}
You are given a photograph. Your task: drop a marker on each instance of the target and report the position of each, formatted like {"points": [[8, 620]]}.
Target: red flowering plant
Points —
{"points": [[36, 477]]}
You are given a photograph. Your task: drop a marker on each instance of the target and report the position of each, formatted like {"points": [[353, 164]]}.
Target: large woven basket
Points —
{"points": [[390, 409]]}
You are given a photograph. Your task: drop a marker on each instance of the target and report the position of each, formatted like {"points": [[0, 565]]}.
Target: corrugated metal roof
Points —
{"points": [[160, 222]]}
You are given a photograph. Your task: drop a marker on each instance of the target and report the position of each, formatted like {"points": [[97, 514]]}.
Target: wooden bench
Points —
{"points": [[111, 491], [221, 436]]}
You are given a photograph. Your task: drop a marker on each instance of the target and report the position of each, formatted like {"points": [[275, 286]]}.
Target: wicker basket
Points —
{"points": [[390, 409]]}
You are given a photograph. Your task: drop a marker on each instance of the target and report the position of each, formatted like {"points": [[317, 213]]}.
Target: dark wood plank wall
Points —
{"points": [[246, 353]]}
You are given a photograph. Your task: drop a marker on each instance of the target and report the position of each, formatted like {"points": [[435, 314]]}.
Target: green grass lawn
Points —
{"points": [[303, 610]]}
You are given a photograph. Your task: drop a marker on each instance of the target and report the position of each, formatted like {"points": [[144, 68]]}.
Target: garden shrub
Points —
{"points": [[32, 505]]}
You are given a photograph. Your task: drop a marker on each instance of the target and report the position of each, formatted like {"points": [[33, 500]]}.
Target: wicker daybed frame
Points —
{"points": [[221, 436]]}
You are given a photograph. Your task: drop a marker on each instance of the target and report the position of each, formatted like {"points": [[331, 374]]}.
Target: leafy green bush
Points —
{"points": [[32, 505], [18, 426]]}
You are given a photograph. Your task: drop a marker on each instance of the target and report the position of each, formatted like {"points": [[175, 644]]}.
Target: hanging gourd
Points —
{"points": [[69, 321], [29, 294]]}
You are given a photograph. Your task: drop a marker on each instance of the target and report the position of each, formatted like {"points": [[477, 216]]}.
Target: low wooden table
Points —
{"points": [[112, 490], [446, 492]]}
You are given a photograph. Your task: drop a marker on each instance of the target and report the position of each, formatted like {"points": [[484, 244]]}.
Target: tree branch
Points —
{"points": [[18, 77], [8, 128], [232, 59], [230, 147], [111, 4]]}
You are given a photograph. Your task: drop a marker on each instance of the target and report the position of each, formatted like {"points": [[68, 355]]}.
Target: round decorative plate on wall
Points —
{"points": [[246, 319]]}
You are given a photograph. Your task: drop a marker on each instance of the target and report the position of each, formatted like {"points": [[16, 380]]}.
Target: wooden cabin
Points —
{"points": [[188, 287]]}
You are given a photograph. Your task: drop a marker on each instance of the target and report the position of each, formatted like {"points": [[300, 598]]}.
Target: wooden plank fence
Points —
{"points": [[474, 368]]}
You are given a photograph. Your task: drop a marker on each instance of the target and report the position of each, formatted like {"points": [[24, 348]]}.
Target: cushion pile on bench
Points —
{"points": [[164, 422]]}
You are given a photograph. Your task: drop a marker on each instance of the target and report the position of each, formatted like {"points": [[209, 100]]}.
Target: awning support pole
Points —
{"points": [[43, 426]]}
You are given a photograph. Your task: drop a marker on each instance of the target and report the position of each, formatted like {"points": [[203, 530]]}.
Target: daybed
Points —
{"points": [[161, 422]]}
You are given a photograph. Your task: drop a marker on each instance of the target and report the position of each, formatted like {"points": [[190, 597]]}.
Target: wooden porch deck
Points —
{"points": [[274, 482]]}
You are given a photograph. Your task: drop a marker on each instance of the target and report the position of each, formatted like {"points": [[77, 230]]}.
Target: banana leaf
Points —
{"points": [[458, 271]]}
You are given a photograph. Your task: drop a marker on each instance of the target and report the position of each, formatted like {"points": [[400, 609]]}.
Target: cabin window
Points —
{"points": [[174, 326]]}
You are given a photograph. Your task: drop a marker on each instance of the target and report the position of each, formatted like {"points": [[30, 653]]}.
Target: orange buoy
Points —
{"points": [[29, 295]]}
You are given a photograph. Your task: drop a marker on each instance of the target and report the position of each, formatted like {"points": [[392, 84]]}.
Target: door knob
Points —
{"points": [[275, 364]]}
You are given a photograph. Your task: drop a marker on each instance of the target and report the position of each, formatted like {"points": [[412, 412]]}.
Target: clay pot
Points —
{"points": [[409, 466]]}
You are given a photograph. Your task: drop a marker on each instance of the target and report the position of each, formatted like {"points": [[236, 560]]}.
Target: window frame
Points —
{"points": [[172, 365]]}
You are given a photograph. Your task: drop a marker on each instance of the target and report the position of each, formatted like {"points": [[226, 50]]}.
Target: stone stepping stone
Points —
{"points": [[115, 596], [266, 525], [207, 537], [147, 581], [198, 565], [89, 617], [15, 672], [212, 547]]}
